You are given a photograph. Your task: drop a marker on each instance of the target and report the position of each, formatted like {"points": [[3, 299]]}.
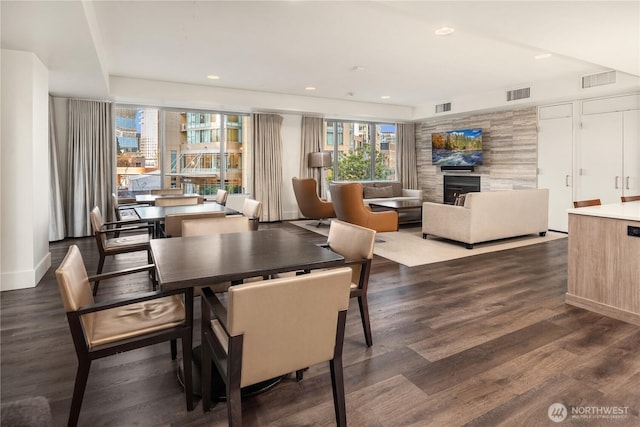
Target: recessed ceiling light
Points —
{"points": [[309, 88], [213, 77], [443, 31], [542, 56], [385, 97]]}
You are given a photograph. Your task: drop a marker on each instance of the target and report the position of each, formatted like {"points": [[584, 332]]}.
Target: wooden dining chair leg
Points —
{"points": [[187, 367], [234, 405], [97, 282], [174, 350], [364, 315], [337, 383], [234, 371], [82, 374], [337, 375]]}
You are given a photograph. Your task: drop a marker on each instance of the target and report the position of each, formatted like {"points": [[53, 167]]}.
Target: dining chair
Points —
{"points": [[177, 201], [118, 245], [173, 222], [221, 197], [311, 206], [585, 203], [629, 198], [111, 327], [219, 225], [250, 341], [167, 191], [123, 212], [207, 226], [253, 210], [355, 244]]}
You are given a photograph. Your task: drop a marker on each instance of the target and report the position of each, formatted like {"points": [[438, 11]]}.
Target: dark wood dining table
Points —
{"points": [[188, 262], [150, 199], [157, 214]]}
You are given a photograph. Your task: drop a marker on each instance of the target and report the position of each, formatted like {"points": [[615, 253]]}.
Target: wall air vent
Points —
{"points": [[600, 79], [441, 108], [515, 94]]}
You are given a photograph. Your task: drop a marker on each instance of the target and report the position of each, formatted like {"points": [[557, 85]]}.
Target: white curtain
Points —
{"points": [[91, 162], [406, 155], [56, 208], [312, 128], [267, 164]]}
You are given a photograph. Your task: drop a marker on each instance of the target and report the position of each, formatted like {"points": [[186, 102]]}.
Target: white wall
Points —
{"points": [[24, 226], [544, 92]]}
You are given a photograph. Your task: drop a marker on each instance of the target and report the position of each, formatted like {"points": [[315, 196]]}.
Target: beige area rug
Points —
{"points": [[407, 246]]}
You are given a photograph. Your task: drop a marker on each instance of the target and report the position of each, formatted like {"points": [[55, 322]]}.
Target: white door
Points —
{"points": [[631, 152], [555, 142], [599, 163]]}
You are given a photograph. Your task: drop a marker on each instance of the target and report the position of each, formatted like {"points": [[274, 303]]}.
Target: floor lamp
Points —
{"points": [[321, 160]]}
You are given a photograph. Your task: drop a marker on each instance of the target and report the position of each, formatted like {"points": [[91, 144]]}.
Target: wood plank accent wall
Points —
{"points": [[509, 144]]}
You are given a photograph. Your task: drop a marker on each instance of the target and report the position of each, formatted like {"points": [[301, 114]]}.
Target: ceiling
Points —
{"points": [[348, 50]]}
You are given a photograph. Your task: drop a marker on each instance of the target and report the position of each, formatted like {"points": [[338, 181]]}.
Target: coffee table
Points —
{"points": [[408, 210]]}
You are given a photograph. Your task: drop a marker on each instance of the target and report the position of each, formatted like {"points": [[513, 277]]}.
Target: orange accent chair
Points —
{"points": [[348, 202], [311, 206]]}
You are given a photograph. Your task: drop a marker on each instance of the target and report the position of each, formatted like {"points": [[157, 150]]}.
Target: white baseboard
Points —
{"points": [[13, 280]]}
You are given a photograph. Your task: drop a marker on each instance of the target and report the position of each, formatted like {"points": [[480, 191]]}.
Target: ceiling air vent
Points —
{"points": [[515, 94], [600, 79], [441, 108]]}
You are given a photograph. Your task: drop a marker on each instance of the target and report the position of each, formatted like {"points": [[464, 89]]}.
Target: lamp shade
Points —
{"points": [[321, 159]]}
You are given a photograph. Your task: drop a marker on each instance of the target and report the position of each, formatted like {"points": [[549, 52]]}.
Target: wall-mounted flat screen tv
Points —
{"points": [[457, 148]]}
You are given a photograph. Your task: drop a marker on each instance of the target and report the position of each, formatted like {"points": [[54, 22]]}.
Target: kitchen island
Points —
{"points": [[604, 260]]}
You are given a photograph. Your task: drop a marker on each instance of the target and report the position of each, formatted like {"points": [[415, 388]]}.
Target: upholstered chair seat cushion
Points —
{"points": [[123, 242], [132, 320]]}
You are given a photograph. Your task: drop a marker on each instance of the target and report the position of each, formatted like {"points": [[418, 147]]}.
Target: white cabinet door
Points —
{"points": [[631, 152], [555, 142], [599, 162]]}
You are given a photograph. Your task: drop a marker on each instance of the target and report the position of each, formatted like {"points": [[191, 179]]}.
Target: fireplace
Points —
{"points": [[456, 185]]}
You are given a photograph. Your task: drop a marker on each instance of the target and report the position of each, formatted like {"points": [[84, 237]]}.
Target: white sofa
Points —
{"points": [[488, 216], [377, 191]]}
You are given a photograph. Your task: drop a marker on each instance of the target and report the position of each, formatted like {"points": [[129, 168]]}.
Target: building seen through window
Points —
{"points": [[200, 152]]}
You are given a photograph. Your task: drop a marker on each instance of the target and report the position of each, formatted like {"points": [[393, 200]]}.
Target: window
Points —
{"points": [[200, 152], [369, 154]]}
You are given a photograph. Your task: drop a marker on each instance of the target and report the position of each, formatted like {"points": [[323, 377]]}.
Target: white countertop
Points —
{"points": [[629, 211]]}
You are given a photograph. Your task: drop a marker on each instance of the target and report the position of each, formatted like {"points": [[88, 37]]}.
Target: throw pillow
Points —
{"points": [[377, 192]]}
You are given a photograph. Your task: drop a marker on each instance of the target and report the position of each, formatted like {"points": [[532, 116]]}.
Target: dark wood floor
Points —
{"points": [[480, 341]]}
